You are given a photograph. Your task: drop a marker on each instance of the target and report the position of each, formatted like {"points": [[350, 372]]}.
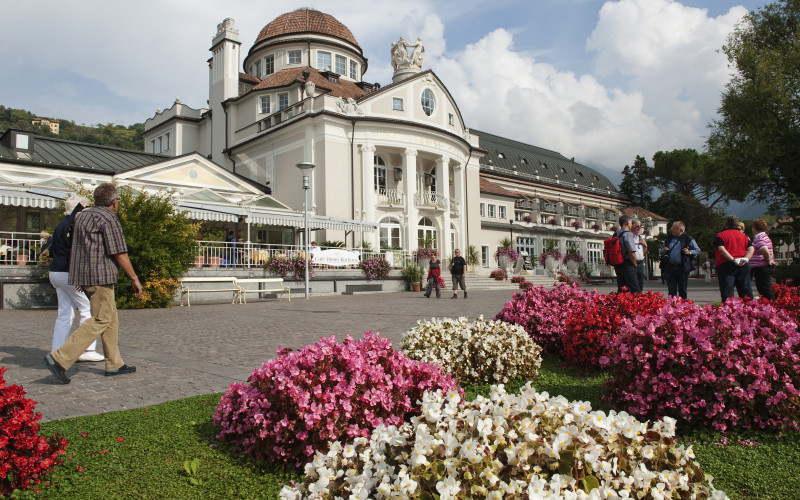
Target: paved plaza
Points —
{"points": [[186, 351]]}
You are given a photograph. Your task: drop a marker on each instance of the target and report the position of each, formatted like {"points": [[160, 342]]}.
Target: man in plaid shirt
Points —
{"points": [[98, 252]]}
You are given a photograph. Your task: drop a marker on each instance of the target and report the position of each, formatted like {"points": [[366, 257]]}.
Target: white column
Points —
{"points": [[369, 199], [443, 190], [410, 188], [458, 190]]}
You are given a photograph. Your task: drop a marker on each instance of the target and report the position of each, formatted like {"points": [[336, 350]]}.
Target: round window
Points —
{"points": [[428, 102]]}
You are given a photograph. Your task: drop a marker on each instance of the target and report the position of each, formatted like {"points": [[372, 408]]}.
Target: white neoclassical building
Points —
{"points": [[397, 156]]}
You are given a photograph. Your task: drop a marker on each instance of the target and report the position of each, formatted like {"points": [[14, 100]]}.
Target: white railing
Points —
{"points": [[20, 248], [430, 199], [389, 196]]}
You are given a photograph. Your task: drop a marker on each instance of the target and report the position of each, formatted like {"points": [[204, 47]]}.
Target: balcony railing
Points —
{"points": [[430, 199], [389, 196], [20, 248]]}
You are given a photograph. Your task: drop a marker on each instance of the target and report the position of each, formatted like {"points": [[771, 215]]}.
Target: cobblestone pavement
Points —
{"points": [[186, 351]]}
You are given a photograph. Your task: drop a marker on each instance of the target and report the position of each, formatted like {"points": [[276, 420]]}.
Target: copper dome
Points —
{"points": [[305, 21]]}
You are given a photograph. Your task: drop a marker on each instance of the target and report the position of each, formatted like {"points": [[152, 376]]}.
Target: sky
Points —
{"points": [[598, 80]]}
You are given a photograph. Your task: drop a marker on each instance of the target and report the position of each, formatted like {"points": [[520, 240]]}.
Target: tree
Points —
{"points": [[637, 183], [693, 185], [757, 135]]}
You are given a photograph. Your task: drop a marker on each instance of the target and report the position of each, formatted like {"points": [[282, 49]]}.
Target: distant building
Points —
{"points": [[47, 122]]}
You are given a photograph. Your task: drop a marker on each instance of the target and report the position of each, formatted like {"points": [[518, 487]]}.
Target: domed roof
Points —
{"points": [[305, 21]]}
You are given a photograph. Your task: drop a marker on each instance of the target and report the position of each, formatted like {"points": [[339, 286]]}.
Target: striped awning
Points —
{"points": [[32, 197]]}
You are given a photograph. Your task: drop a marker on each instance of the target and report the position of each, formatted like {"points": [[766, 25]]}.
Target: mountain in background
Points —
{"points": [[109, 134]]}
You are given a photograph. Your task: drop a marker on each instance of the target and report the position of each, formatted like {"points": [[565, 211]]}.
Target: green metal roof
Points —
{"points": [[531, 163], [58, 153]]}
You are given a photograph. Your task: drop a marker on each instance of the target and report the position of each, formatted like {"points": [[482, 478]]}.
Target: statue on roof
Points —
{"points": [[416, 54], [400, 53], [406, 65]]}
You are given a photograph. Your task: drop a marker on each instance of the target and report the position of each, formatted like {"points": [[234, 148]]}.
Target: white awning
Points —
{"points": [[32, 197]]}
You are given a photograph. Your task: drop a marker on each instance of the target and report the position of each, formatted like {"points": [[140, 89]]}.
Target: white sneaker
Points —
{"points": [[91, 356]]}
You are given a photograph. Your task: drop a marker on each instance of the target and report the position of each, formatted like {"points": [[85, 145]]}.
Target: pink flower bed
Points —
{"points": [[543, 312], [732, 366], [294, 404]]}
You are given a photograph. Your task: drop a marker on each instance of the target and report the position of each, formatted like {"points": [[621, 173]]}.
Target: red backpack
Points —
{"points": [[612, 250]]}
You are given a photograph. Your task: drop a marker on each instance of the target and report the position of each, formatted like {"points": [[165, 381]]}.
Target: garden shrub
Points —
{"points": [[732, 366], [25, 456], [483, 351], [281, 265], [508, 446], [543, 312], [375, 267], [296, 403], [596, 321], [498, 274], [518, 279]]}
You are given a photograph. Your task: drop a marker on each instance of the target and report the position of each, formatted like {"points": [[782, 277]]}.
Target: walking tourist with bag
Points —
{"points": [[679, 252], [434, 270], [458, 266], [620, 252]]}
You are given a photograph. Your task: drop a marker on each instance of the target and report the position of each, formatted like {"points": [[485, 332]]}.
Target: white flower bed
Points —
{"points": [[478, 352], [526, 446]]}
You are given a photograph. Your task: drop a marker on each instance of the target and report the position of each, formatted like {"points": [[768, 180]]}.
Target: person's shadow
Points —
{"points": [[28, 357]]}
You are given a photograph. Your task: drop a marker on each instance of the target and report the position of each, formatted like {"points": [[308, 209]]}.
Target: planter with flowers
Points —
{"points": [[576, 224], [573, 261], [506, 257], [549, 260], [596, 227], [528, 219], [553, 221], [423, 257], [375, 267]]}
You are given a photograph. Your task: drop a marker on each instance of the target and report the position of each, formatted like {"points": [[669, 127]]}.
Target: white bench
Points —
{"points": [[269, 285], [224, 284]]}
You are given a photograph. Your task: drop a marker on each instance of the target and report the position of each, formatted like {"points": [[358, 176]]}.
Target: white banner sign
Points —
{"points": [[335, 257]]}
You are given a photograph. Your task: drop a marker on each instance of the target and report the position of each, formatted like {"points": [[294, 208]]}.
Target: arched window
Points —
{"points": [[389, 231], [428, 102], [426, 233], [380, 174]]}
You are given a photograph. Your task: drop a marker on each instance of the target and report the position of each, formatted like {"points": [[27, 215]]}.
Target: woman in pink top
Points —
{"points": [[762, 263]]}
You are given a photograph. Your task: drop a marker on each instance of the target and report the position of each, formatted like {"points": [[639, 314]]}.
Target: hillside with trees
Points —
{"points": [[118, 136]]}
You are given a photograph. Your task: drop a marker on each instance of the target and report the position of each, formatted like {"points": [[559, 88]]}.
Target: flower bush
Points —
{"points": [[543, 312], [375, 267], [553, 221], [555, 254], [508, 446], [732, 366], [498, 274], [528, 218], [518, 279], [25, 456], [509, 252], [596, 322], [295, 404], [282, 265], [483, 351], [787, 297], [596, 227], [425, 253], [562, 277]]}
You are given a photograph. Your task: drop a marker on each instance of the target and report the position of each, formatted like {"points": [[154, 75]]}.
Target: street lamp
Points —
{"points": [[511, 226], [305, 169]]}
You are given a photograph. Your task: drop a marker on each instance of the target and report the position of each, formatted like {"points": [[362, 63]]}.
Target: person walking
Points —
{"points": [[626, 272], [69, 297], [762, 263], [458, 266], [434, 271], [641, 250], [682, 250], [98, 252], [734, 250]]}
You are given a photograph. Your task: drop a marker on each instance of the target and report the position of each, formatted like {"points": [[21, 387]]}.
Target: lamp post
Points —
{"points": [[305, 169], [511, 226]]}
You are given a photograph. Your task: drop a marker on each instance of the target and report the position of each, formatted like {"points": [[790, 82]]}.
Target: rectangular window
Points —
{"points": [[353, 70], [491, 211], [324, 61], [257, 69], [341, 64], [166, 140], [153, 146], [160, 144], [265, 108], [451, 119], [397, 104], [380, 179], [269, 65], [483, 210], [295, 57], [283, 101], [501, 211], [485, 256]]}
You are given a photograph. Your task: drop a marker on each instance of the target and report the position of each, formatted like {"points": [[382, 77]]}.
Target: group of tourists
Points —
{"points": [[458, 266], [738, 259]]}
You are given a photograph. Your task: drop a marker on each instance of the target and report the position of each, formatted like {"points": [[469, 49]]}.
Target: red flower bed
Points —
{"points": [[596, 321], [787, 297], [25, 456]]}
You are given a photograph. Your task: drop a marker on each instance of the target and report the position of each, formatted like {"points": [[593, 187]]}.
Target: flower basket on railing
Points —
{"points": [[576, 224], [553, 221], [527, 218]]}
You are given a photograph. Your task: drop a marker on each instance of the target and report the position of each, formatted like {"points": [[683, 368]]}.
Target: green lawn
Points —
{"points": [[148, 461]]}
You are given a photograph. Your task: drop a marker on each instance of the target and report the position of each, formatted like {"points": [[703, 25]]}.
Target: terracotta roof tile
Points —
{"points": [[305, 21], [344, 88], [245, 78], [490, 187]]}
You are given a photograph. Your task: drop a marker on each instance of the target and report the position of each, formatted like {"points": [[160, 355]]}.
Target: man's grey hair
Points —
{"points": [[731, 222], [623, 220], [105, 194], [73, 201]]}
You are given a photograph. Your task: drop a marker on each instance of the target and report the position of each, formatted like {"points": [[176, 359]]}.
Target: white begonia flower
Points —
{"points": [[448, 488], [648, 452]]}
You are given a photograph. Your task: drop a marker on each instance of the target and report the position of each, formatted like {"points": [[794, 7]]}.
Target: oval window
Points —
{"points": [[428, 102]]}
